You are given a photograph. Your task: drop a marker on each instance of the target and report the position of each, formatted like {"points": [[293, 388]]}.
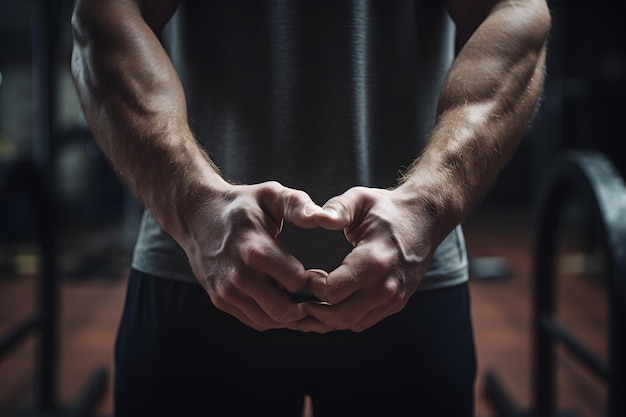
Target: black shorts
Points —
{"points": [[177, 355]]}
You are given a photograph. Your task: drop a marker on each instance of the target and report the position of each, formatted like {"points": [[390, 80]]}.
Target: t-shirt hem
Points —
{"points": [[429, 283]]}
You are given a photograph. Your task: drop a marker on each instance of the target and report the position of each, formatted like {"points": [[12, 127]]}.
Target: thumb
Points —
{"points": [[297, 207], [336, 214]]}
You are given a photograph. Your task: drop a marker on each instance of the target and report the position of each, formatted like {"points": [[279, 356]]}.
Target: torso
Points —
{"points": [[318, 95]]}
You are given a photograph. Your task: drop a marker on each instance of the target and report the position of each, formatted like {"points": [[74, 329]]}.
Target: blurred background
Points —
{"points": [[63, 213]]}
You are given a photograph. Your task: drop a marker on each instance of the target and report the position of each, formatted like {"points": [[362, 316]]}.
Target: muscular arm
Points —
{"points": [[135, 105], [485, 106], [136, 108], [486, 103]]}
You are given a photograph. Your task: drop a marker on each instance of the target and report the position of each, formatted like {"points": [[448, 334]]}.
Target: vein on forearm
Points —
{"points": [[136, 107], [486, 104]]}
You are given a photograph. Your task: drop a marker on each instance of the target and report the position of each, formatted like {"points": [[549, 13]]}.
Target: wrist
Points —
{"points": [[433, 198], [190, 186]]}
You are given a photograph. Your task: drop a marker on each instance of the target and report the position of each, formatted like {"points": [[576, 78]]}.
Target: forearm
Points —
{"points": [[136, 108], [485, 106]]}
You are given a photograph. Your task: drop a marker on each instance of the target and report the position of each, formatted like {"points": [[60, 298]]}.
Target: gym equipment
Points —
{"points": [[32, 178], [602, 189], [34, 183]]}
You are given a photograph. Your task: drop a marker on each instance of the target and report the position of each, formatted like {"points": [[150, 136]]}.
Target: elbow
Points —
{"points": [[85, 29], [92, 35], [79, 44], [80, 23], [528, 22], [79, 41]]}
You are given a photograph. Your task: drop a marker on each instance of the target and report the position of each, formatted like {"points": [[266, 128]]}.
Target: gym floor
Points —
{"points": [[91, 304]]}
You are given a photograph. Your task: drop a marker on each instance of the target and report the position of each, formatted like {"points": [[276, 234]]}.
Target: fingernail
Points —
{"points": [[318, 272]]}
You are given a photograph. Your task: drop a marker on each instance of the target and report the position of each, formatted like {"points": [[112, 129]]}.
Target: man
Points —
{"points": [[232, 121]]}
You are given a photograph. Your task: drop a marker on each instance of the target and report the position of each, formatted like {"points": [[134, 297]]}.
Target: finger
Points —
{"points": [[264, 321], [337, 213], [361, 268], [383, 300], [346, 315], [313, 325], [295, 206], [276, 303], [336, 289], [377, 315], [316, 282], [236, 312], [232, 298], [265, 254]]}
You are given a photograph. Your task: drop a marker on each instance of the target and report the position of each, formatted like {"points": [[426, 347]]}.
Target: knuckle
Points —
{"points": [[356, 191], [340, 203], [239, 216], [225, 294], [253, 253], [390, 289], [359, 194], [295, 199], [379, 262], [237, 281], [269, 189], [273, 185]]}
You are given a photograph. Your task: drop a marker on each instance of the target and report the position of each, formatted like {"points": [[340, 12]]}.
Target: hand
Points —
{"points": [[236, 257], [391, 234]]}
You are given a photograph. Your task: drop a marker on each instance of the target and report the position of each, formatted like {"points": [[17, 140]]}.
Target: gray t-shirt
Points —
{"points": [[317, 95]]}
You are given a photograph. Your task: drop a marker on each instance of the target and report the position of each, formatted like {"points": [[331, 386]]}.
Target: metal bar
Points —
{"points": [[575, 346], [17, 334], [47, 305], [604, 195], [608, 191], [543, 303], [32, 178], [45, 26]]}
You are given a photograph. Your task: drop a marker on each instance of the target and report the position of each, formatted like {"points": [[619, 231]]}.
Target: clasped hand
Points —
{"points": [[234, 252]]}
